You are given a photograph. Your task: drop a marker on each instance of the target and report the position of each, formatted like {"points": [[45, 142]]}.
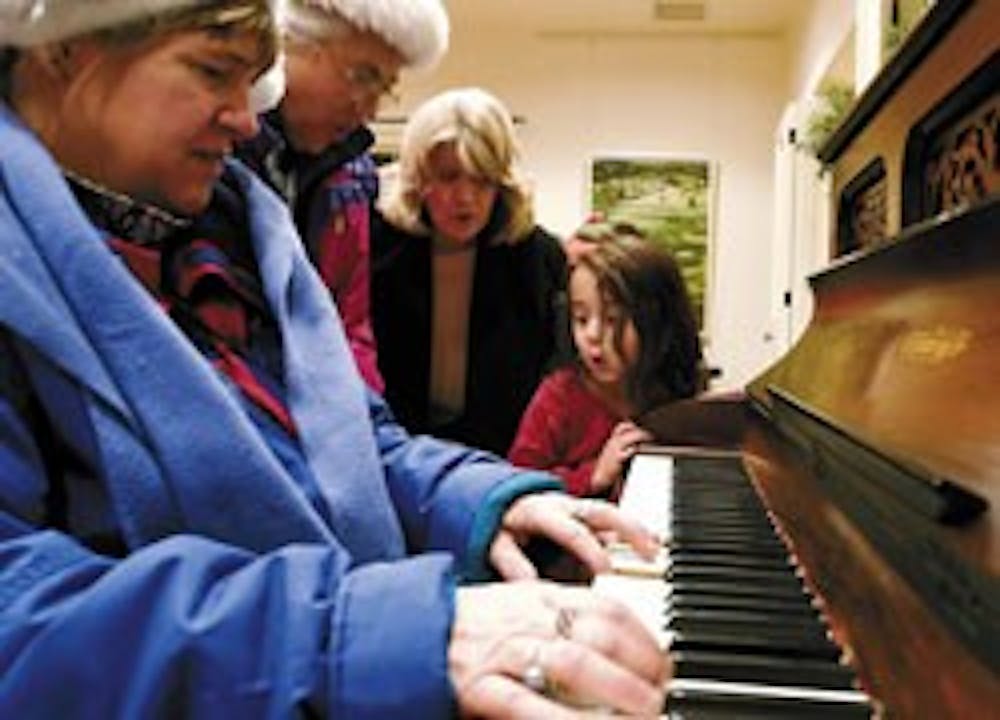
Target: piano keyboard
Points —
{"points": [[743, 632]]}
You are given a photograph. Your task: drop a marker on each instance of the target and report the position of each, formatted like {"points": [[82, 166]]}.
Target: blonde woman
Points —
{"points": [[467, 291], [203, 513]]}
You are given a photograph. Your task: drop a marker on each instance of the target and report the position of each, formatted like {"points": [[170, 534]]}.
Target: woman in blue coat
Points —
{"points": [[203, 513]]}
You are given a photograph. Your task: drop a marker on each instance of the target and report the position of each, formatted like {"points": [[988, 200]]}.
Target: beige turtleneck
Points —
{"points": [[452, 277]]}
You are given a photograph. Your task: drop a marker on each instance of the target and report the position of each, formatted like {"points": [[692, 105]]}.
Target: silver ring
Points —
{"points": [[534, 676]]}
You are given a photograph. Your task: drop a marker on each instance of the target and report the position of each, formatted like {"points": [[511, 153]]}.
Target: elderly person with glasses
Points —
{"points": [[203, 511], [344, 58]]}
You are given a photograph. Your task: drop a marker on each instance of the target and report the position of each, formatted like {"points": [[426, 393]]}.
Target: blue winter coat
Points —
{"points": [[156, 560]]}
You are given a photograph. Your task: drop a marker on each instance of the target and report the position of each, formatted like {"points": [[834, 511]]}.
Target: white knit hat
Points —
{"points": [[417, 29], [34, 22], [24, 23]]}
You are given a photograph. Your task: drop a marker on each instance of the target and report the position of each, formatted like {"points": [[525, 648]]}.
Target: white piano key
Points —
{"points": [[644, 596], [646, 495], [625, 561], [680, 686]]}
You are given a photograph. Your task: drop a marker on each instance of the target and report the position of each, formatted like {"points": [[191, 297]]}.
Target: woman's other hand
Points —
{"points": [[572, 523], [538, 650]]}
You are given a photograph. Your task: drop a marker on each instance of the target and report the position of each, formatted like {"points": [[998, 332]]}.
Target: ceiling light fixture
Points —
{"points": [[686, 10]]}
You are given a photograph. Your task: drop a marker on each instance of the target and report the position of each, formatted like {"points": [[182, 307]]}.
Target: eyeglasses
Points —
{"points": [[370, 81]]}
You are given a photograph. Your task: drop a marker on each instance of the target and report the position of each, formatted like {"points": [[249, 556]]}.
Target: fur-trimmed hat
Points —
{"points": [[417, 29], [24, 23]]}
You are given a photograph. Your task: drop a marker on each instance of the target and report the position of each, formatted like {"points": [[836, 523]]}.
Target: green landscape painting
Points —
{"points": [[669, 200]]}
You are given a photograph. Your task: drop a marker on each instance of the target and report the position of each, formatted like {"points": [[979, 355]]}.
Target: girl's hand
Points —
{"points": [[538, 650], [618, 448], [572, 523]]}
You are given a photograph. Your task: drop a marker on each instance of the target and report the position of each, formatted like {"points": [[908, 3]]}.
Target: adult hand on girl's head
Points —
{"points": [[618, 449], [535, 649], [570, 522]]}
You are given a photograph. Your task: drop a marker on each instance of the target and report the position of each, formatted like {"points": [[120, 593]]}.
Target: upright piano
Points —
{"points": [[865, 463]]}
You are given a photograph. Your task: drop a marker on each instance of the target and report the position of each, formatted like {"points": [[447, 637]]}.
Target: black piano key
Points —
{"points": [[752, 544], [740, 640], [763, 534], [745, 616], [707, 503], [730, 559], [726, 472], [729, 589], [809, 641], [741, 575], [762, 668], [748, 507], [732, 511], [709, 601], [707, 523], [688, 620], [797, 616], [717, 552], [723, 492]]}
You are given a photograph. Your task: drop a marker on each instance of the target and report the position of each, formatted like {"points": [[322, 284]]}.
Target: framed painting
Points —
{"points": [[670, 199]]}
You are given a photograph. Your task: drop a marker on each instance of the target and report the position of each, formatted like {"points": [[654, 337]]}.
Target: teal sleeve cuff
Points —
{"points": [[489, 516]]}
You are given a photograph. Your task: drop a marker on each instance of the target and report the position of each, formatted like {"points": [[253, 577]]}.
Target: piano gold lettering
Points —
{"points": [[935, 345]]}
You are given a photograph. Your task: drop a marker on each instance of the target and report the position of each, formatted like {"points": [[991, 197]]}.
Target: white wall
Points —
{"points": [[802, 242], [815, 49], [717, 97]]}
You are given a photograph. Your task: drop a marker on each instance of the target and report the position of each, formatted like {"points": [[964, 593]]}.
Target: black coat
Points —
{"points": [[517, 330]]}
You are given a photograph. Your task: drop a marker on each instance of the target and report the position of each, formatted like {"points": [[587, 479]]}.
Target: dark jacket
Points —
{"points": [[517, 329]]}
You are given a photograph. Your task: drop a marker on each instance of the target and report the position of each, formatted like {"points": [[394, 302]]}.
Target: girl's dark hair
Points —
{"points": [[643, 280]]}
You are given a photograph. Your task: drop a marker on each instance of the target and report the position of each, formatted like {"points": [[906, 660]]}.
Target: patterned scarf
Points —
{"points": [[203, 283]]}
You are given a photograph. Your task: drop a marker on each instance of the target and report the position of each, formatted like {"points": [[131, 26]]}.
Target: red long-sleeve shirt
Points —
{"points": [[563, 430]]}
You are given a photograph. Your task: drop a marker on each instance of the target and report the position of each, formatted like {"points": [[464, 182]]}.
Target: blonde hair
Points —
{"points": [[482, 132]]}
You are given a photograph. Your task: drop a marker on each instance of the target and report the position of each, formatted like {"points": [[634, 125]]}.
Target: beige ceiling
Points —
{"points": [[629, 16]]}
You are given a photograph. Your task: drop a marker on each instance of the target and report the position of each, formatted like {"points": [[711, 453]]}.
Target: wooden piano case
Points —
{"points": [[875, 442]]}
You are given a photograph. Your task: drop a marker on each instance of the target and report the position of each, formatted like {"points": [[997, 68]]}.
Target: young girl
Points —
{"points": [[636, 347]]}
